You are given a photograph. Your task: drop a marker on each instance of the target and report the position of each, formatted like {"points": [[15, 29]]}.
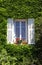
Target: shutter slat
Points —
{"points": [[9, 31], [31, 31]]}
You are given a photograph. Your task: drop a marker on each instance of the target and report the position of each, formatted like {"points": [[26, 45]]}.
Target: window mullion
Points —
{"points": [[20, 30]]}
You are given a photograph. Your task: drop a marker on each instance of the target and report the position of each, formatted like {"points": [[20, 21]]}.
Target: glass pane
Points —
{"points": [[17, 29], [23, 30]]}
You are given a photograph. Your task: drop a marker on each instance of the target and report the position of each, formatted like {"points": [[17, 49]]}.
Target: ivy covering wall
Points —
{"points": [[20, 9], [16, 9]]}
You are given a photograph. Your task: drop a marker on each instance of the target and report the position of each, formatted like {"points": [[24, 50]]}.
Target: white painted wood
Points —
{"points": [[20, 31], [31, 31], [26, 31], [14, 34], [12, 31], [9, 30]]}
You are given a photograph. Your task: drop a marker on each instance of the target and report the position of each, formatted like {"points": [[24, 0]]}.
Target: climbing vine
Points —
{"points": [[22, 9]]}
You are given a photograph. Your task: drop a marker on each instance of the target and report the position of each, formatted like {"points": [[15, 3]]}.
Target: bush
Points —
{"points": [[5, 59], [24, 53], [11, 54], [38, 30]]}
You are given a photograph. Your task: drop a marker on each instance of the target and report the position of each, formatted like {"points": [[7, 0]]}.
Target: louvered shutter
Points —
{"points": [[9, 30], [31, 31]]}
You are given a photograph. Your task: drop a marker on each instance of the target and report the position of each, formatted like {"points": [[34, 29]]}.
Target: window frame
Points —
{"points": [[22, 20]]}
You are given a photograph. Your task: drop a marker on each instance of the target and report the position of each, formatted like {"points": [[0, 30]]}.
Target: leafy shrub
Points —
{"points": [[3, 29], [38, 37], [21, 52], [38, 30], [5, 59], [11, 54]]}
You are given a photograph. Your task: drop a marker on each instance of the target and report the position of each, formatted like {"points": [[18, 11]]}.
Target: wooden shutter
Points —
{"points": [[31, 31], [9, 30]]}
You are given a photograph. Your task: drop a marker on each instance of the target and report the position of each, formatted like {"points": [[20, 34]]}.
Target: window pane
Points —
{"points": [[17, 29], [23, 30]]}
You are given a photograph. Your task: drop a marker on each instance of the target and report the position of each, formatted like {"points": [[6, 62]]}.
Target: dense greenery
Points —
{"points": [[18, 9], [2, 30], [38, 37], [21, 8], [18, 55]]}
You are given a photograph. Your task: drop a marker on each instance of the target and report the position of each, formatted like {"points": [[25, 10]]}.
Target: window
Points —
{"points": [[20, 29]]}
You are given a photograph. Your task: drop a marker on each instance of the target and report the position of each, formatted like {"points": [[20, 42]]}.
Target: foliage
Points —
{"points": [[20, 9], [18, 41], [17, 9], [18, 55], [38, 29], [3, 28], [5, 59], [38, 37]]}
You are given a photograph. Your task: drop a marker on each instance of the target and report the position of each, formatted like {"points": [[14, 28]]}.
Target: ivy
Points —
{"points": [[22, 9]]}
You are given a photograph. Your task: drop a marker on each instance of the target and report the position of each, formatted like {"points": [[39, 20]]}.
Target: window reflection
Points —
{"points": [[23, 29], [17, 29]]}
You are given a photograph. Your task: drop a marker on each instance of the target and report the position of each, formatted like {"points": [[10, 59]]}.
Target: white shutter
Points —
{"points": [[26, 31], [31, 31], [14, 34], [9, 30]]}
